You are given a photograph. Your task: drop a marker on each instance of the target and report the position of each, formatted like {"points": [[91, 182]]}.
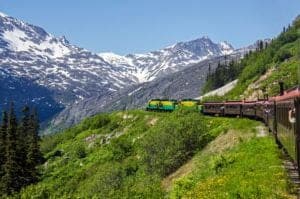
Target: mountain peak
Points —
{"points": [[226, 47], [3, 15], [201, 39], [64, 40]]}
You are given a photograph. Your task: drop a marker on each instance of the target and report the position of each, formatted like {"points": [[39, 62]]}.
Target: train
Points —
{"points": [[169, 105], [281, 114]]}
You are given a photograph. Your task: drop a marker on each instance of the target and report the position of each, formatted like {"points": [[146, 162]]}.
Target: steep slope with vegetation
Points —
{"points": [[263, 69], [130, 154], [242, 162], [123, 154]]}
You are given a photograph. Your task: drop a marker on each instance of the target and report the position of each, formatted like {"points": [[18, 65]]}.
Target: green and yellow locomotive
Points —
{"points": [[189, 104], [167, 105], [161, 105]]}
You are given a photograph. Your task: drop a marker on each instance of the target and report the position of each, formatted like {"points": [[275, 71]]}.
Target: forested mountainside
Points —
{"points": [[261, 71]]}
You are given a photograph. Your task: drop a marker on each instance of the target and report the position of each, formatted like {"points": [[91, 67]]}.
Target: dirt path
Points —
{"points": [[261, 131]]}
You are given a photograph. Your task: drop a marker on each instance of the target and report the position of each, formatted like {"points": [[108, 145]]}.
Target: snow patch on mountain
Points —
{"points": [[226, 48], [19, 41], [2, 14], [149, 66]]}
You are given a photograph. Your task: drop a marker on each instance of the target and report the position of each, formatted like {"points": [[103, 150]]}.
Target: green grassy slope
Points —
{"points": [[129, 154], [240, 163], [124, 154]]}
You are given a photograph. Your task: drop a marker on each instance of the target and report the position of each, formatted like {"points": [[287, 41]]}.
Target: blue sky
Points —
{"points": [[137, 26]]}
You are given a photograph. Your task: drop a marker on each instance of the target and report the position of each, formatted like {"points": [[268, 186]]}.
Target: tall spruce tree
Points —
{"points": [[22, 147], [3, 132], [34, 155], [12, 170]]}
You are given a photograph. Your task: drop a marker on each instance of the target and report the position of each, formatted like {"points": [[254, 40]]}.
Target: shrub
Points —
{"points": [[105, 182], [80, 151], [99, 121], [168, 145], [282, 55], [121, 148]]}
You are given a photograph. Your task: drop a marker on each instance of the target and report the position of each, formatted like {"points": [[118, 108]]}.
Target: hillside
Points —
{"points": [[277, 61], [132, 154]]}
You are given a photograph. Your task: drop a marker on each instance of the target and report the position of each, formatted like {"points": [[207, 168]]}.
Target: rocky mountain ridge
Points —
{"points": [[71, 74]]}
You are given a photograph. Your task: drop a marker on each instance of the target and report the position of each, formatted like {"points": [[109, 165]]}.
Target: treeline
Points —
{"points": [[19, 150], [280, 54], [224, 73], [229, 70]]}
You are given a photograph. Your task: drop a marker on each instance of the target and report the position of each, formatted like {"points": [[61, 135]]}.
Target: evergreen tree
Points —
{"points": [[11, 181], [3, 132], [22, 147], [34, 155], [209, 72], [261, 45]]}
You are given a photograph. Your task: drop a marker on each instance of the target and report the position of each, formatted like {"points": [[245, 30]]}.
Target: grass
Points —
{"points": [[237, 164], [118, 155], [138, 154]]}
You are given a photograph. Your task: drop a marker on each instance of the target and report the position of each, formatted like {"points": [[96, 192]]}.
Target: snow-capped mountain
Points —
{"points": [[149, 66], [70, 73]]}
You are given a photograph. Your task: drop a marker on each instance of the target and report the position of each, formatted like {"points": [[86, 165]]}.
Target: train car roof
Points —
{"points": [[195, 100], [261, 101], [233, 102], [288, 94], [250, 102], [213, 103]]}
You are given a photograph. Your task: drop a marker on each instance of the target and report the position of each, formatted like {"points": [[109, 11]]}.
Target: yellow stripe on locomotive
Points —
{"points": [[189, 104]]}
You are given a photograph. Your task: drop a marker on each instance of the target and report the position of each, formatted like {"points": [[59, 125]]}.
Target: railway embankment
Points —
{"points": [[242, 162]]}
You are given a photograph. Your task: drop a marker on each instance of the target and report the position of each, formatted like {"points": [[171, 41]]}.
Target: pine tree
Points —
{"points": [[261, 45], [10, 180], [3, 132], [22, 147], [209, 72], [34, 155]]}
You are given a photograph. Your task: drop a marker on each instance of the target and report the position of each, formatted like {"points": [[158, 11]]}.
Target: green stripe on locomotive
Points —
{"points": [[167, 105], [153, 104], [200, 108], [162, 105]]}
